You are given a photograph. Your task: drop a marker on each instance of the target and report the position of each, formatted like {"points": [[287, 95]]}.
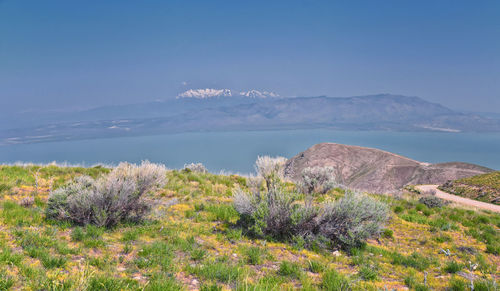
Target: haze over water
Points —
{"points": [[237, 151]]}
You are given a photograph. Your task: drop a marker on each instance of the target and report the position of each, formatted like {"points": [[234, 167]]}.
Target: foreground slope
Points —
{"points": [[374, 170], [191, 241]]}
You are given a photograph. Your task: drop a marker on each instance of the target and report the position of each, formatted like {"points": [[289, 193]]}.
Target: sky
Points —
{"points": [[60, 54]]}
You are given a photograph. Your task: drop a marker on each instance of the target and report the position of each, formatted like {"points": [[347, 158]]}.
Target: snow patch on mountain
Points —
{"points": [[205, 93], [210, 93], [259, 94]]}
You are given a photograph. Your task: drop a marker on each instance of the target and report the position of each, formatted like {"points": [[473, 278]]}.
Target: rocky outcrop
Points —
{"points": [[377, 171]]}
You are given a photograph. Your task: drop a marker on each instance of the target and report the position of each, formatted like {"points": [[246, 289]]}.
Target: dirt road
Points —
{"points": [[458, 199]]}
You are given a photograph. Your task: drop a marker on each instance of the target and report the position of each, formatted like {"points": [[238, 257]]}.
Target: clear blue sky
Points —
{"points": [[64, 54]]}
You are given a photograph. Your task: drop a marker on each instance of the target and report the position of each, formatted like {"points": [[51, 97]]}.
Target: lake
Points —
{"points": [[237, 151]]}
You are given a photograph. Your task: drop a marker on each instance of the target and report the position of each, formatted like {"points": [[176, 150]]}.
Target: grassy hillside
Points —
{"points": [[484, 187], [192, 241]]}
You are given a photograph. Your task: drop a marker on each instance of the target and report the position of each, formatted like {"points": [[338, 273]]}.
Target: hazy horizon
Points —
{"points": [[62, 54]]}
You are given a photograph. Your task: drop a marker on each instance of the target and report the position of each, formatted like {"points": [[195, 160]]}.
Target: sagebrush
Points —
{"points": [[279, 213], [195, 167], [353, 219], [432, 201], [116, 197], [270, 169], [318, 179]]}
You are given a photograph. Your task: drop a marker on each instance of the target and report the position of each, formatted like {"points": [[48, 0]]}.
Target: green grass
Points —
{"points": [[198, 254], [222, 212], [199, 238], [387, 233], [453, 267], [290, 269], [6, 282], [333, 281], [490, 179], [368, 273], [109, 283], [415, 260], [156, 254], [17, 215], [254, 255], [316, 266], [458, 284], [7, 257], [485, 187], [163, 283], [220, 271]]}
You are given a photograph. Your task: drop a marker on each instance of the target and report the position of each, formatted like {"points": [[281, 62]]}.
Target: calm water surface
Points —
{"points": [[236, 151]]}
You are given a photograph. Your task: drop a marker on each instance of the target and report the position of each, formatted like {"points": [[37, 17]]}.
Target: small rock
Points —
{"points": [[194, 282], [120, 269], [336, 253], [235, 255]]}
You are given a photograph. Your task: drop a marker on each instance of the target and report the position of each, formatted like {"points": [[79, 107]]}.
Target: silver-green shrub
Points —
{"points": [[432, 201], [352, 220], [318, 180], [276, 212], [272, 212], [270, 169], [196, 167], [116, 197]]}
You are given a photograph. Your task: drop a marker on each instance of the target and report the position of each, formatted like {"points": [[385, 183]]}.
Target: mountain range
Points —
{"points": [[224, 109]]}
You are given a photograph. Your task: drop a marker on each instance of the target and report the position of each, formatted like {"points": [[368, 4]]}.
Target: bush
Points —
{"points": [[277, 213], [270, 169], [432, 201], [352, 219], [111, 199], [347, 222], [197, 168], [493, 248], [452, 267], [318, 180], [398, 209], [388, 233], [273, 213]]}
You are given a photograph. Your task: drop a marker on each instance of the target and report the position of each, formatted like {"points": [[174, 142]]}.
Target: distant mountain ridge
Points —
{"points": [[244, 111]]}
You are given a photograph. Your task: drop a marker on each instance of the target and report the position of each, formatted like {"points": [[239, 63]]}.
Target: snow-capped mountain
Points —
{"points": [[211, 93], [205, 93]]}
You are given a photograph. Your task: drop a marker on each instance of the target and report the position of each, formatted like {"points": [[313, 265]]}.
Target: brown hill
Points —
{"points": [[373, 170]]}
